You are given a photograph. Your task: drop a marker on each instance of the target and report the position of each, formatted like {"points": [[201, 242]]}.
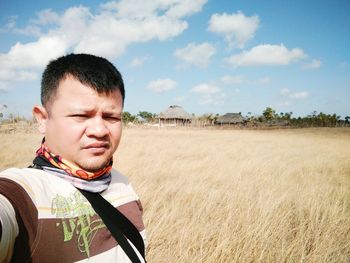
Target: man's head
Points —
{"points": [[82, 97], [95, 72]]}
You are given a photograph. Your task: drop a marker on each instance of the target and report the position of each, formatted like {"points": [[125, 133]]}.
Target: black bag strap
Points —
{"points": [[119, 226]]}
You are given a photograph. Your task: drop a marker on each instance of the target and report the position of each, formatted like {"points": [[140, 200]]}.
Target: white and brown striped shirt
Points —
{"points": [[56, 223]]}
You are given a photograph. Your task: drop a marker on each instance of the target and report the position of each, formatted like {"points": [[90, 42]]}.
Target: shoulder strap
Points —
{"points": [[119, 226]]}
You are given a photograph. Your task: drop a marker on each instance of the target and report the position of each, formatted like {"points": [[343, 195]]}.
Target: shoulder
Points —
{"points": [[16, 188], [39, 185], [122, 196], [30, 178], [20, 196], [120, 191], [14, 180], [117, 177], [24, 176]]}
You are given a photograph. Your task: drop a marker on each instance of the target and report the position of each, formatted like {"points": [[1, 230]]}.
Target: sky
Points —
{"points": [[208, 56]]}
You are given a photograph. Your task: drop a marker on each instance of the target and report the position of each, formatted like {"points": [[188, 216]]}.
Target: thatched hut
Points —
{"points": [[174, 116], [231, 119]]}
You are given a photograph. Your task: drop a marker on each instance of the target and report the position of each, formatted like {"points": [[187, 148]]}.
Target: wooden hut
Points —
{"points": [[174, 116], [231, 119]]}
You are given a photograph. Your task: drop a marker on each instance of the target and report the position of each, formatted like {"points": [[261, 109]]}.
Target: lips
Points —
{"points": [[97, 148], [97, 145]]}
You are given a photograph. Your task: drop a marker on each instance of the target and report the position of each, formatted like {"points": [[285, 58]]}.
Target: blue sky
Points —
{"points": [[207, 56]]}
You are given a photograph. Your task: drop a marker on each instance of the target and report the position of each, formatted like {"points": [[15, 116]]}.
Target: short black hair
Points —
{"points": [[93, 71]]}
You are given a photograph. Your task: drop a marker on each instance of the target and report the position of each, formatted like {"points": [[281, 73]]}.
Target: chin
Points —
{"points": [[92, 169], [94, 164]]}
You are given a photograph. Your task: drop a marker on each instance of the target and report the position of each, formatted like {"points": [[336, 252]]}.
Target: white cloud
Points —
{"points": [[183, 8], [236, 28], [19, 75], [266, 55], [285, 92], [263, 80], [238, 79], [134, 8], [10, 24], [285, 103], [45, 17], [161, 85], [209, 94], [232, 80], [10, 77], [109, 37], [104, 33], [212, 99], [299, 95], [180, 99], [29, 30], [32, 55], [138, 62], [205, 88], [141, 9], [107, 32], [198, 55], [4, 86], [315, 63]]}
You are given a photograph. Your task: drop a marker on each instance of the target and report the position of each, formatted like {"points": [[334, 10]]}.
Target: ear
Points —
{"points": [[41, 116]]}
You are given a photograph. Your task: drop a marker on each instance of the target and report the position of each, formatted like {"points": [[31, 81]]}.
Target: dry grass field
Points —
{"points": [[233, 195]]}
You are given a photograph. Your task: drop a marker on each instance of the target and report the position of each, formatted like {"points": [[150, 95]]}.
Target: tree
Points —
{"points": [[11, 117], [147, 116], [288, 115], [347, 119], [1, 110], [128, 117], [269, 113], [208, 118], [212, 118]]}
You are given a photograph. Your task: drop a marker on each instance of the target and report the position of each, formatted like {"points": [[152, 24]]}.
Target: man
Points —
{"points": [[44, 216]]}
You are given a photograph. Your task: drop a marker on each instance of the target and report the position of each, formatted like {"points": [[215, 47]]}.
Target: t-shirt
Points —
{"points": [[57, 224]]}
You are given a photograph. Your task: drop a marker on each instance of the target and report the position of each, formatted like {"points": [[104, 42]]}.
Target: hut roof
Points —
{"points": [[175, 112], [229, 118]]}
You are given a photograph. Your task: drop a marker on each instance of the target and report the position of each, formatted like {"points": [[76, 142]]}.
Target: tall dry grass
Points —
{"points": [[234, 196]]}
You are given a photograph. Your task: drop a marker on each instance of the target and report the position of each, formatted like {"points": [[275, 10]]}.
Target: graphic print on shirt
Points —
{"points": [[77, 222]]}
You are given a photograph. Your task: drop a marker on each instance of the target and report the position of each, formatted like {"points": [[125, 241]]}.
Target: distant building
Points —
{"points": [[231, 119], [174, 116]]}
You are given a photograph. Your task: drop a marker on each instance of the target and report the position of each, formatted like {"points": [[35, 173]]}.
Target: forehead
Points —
{"points": [[71, 91]]}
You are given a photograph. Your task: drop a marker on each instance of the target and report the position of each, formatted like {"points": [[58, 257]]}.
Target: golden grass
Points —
{"points": [[234, 195]]}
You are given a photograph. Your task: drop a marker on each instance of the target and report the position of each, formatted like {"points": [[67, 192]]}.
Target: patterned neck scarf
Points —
{"points": [[71, 169]]}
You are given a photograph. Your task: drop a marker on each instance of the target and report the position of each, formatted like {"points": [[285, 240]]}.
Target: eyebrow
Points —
{"points": [[91, 110], [110, 113], [81, 110]]}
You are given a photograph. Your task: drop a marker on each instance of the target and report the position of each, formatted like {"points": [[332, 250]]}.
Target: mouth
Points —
{"points": [[97, 148]]}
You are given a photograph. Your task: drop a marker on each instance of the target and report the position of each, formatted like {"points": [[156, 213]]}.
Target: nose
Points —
{"points": [[97, 127]]}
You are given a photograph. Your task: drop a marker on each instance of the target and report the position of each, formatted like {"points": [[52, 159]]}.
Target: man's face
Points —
{"points": [[82, 126]]}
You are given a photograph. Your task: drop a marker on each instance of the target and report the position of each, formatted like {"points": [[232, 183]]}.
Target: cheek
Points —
{"points": [[70, 131], [116, 132]]}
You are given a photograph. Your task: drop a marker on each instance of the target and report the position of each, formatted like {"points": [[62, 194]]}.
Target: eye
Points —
{"points": [[79, 116], [112, 118]]}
